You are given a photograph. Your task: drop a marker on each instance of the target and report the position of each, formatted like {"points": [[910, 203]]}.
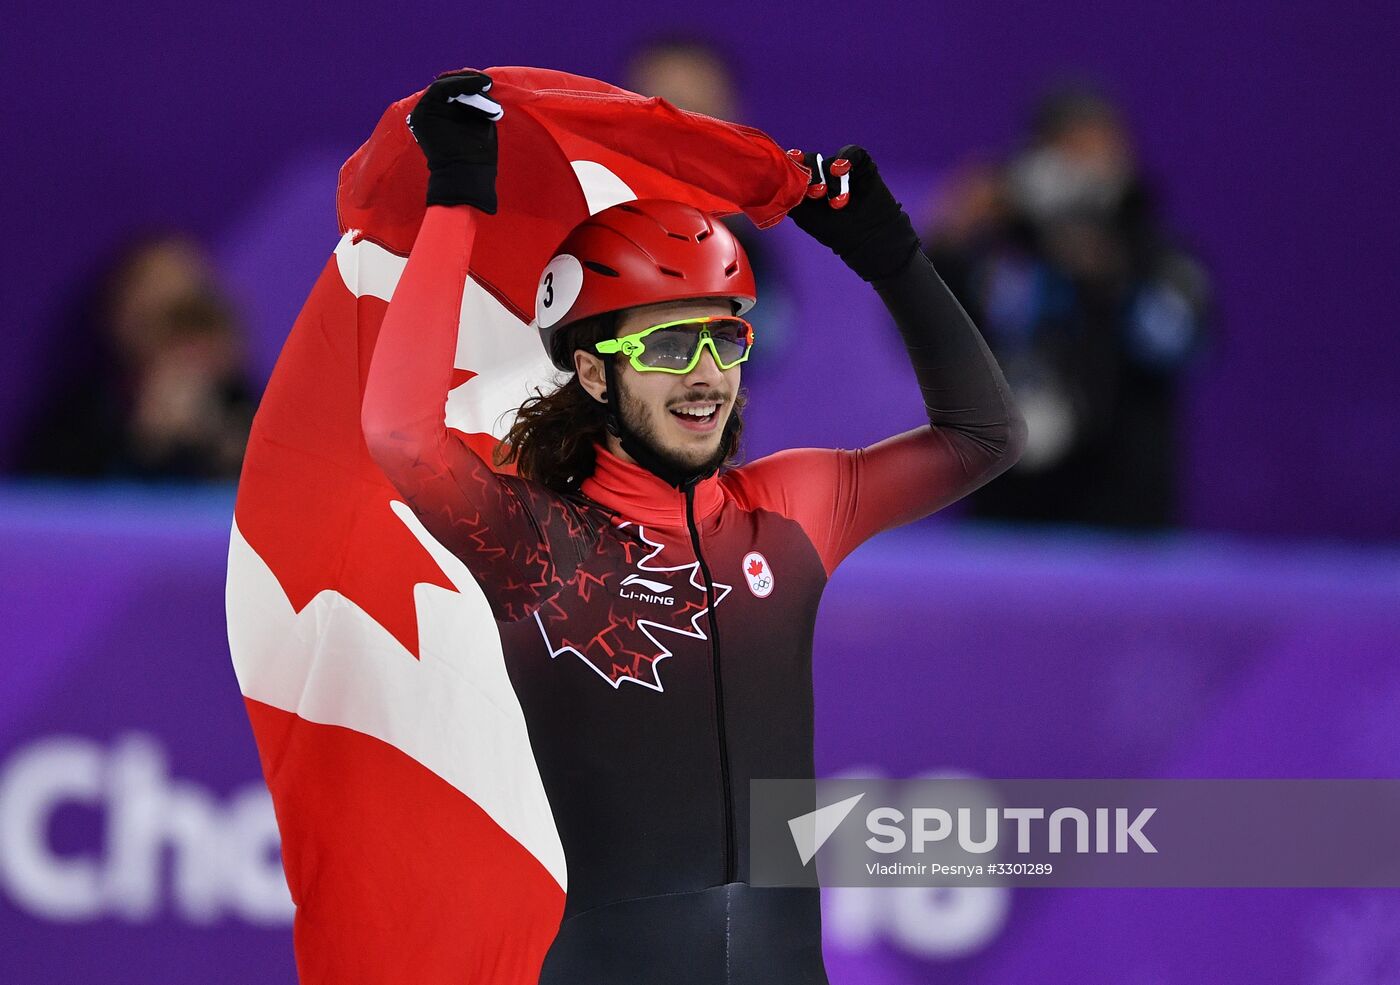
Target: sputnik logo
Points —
{"points": [[611, 639]]}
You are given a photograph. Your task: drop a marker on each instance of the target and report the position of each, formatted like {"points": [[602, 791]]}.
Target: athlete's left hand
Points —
{"points": [[850, 210]]}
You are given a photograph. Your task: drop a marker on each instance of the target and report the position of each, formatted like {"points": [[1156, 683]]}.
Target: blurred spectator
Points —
{"points": [[1093, 312], [152, 384], [687, 71], [694, 74]]}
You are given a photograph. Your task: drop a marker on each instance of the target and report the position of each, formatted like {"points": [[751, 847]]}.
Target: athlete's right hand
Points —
{"points": [[455, 125]]}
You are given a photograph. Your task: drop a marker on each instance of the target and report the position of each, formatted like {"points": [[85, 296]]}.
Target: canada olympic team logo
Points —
{"points": [[758, 574]]}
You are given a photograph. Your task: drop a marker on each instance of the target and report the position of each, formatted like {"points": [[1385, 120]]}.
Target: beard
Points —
{"points": [[642, 425]]}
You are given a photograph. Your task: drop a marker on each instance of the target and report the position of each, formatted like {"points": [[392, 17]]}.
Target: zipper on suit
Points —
{"points": [[730, 862]]}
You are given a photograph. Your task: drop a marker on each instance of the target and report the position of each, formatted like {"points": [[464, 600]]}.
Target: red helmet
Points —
{"points": [[639, 252]]}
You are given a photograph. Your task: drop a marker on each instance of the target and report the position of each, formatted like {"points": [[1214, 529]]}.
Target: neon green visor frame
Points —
{"points": [[675, 346]]}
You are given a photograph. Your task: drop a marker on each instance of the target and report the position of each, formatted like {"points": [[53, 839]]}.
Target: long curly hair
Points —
{"points": [[552, 439]]}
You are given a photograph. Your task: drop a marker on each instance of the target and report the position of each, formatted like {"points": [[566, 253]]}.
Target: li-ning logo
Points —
{"points": [[651, 591], [621, 644]]}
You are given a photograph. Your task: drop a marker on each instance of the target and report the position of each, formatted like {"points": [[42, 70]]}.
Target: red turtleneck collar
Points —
{"points": [[637, 494]]}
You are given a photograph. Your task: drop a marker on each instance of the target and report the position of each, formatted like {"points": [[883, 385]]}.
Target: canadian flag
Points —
{"points": [[416, 836]]}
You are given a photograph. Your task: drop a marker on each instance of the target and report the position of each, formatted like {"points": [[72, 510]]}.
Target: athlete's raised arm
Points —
{"points": [[491, 522], [974, 432]]}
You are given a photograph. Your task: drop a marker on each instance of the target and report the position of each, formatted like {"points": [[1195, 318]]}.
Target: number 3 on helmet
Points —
{"points": [[639, 252]]}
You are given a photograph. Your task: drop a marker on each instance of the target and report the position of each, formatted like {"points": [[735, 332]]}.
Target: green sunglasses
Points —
{"points": [[675, 346]]}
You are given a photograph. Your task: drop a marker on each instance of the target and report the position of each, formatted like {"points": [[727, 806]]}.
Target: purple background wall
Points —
{"points": [[1272, 133], [1271, 129]]}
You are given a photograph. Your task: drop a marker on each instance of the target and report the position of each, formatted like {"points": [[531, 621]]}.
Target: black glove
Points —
{"points": [[849, 209], [455, 125]]}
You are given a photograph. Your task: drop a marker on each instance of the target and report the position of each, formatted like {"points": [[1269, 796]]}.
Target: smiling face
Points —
{"points": [[681, 416]]}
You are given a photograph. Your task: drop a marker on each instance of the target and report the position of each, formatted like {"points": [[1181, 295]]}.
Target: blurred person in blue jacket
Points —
{"points": [[149, 381], [1092, 310]]}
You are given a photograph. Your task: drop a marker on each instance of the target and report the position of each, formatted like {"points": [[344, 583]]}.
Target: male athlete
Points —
{"points": [[656, 610]]}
